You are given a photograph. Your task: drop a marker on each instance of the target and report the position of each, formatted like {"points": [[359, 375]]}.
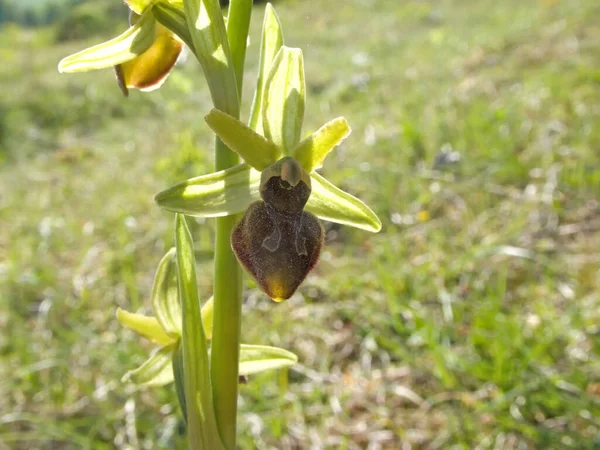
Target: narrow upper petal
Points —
{"points": [[311, 152], [256, 150]]}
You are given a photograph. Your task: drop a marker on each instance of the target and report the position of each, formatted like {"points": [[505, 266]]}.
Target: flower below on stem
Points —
{"points": [[164, 329]]}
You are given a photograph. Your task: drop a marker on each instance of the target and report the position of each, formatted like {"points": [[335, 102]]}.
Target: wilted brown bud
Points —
{"points": [[276, 241]]}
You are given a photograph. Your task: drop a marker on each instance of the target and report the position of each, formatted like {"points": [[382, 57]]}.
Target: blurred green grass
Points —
{"points": [[471, 321]]}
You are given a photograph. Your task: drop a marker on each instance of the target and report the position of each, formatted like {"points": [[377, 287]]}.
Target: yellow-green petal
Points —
{"points": [[311, 152], [254, 148], [123, 48], [145, 326]]}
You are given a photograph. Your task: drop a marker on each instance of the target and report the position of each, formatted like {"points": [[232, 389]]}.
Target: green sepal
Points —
{"points": [[156, 371], [148, 327], [214, 195], [251, 146], [271, 42], [311, 152], [211, 47], [284, 98], [123, 48], [177, 360], [197, 384], [165, 297], [206, 196], [330, 203], [173, 17]]}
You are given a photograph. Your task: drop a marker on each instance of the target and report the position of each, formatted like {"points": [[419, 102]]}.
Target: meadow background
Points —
{"points": [[471, 321]]}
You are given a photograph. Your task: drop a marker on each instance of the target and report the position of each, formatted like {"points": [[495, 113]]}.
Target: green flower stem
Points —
{"points": [[227, 319]]}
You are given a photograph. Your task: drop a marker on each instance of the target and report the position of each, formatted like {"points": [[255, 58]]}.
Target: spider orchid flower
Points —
{"points": [[279, 238]]}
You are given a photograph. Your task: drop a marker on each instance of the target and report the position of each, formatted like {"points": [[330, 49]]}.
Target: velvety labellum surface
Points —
{"points": [[277, 250]]}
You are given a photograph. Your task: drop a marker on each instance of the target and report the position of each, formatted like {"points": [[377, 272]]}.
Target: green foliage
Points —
{"points": [[90, 19], [470, 320], [33, 13]]}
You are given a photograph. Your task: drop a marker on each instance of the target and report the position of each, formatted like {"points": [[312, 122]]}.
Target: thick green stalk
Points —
{"points": [[227, 319]]}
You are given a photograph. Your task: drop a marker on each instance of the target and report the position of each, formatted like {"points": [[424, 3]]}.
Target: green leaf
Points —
{"points": [[214, 195], [202, 425], [311, 152], [123, 48], [211, 47], [145, 326], [271, 42], [156, 371], [178, 378], [173, 18], [258, 358], [283, 100], [255, 149], [165, 297], [329, 202]]}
